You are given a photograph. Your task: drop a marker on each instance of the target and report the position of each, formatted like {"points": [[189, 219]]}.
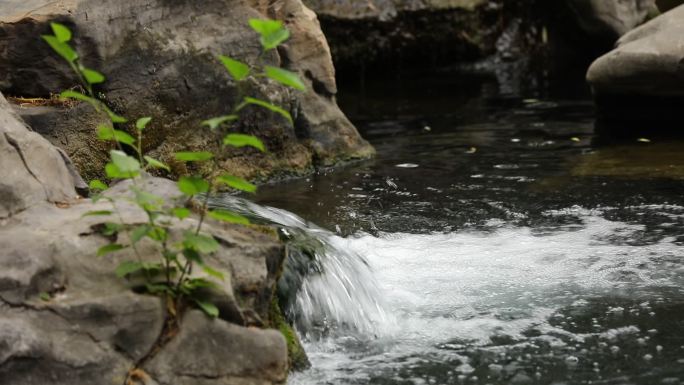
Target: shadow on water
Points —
{"points": [[495, 240]]}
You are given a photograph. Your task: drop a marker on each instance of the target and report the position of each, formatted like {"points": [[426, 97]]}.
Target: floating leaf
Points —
{"points": [[110, 248], [236, 183], [96, 184], [192, 185], [92, 76], [61, 48], [156, 164], [285, 77], [62, 33], [128, 267], [237, 69], [208, 308], [141, 123], [269, 106], [214, 123], [228, 216], [198, 156]]}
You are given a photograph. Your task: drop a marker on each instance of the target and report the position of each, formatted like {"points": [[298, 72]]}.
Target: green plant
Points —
{"points": [[170, 275]]}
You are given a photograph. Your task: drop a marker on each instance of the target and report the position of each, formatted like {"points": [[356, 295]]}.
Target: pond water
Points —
{"points": [[494, 240]]}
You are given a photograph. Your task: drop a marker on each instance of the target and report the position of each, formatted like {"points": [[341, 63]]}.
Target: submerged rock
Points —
{"points": [[643, 78], [160, 59]]}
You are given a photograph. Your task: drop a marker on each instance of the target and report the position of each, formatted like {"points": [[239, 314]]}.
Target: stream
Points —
{"points": [[493, 240]]}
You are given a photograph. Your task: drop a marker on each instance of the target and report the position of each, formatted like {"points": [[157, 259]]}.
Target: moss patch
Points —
{"points": [[296, 355]]}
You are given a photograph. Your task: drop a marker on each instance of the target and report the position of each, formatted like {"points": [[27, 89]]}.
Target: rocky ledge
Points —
{"points": [[65, 316], [160, 60]]}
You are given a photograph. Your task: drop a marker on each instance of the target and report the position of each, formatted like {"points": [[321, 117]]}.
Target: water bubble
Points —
{"points": [[648, 357], [571, 360]]}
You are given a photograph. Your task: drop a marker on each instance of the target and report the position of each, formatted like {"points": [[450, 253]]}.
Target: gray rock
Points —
{"points": [[610, 19], [232, 355], [647, 61], [32, 169], [160, 61], [95, 328]]}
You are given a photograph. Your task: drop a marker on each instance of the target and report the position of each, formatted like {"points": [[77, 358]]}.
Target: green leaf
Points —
{"points": [[96, 184], [110, 248], [127, 267], [242, 140], [269, 106], [113, 116], [44, 296], [285, 77], [69, 94], [139, 232], [237, 183], [95, 213], [61, 48], [208, 308], [180, 212], [111, 228], [227, 216], [158, 234], [192, 185], [125, 163], [157, 288], [62, 33], [214, 123], [198, 156], [237, 69], [141, 123], [201, 243], [192, 255], [107, 133], [214, 273], [156, 164], [92, 76], [272, 32]]}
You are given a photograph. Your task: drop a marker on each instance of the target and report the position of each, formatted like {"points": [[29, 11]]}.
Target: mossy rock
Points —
{"points": [[297, 357]]}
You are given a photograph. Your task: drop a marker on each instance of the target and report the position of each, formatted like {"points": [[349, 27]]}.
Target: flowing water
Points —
{"points": [[492, 241]]}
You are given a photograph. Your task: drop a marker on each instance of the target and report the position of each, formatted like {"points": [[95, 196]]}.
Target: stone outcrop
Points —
{"points": [[65, 317], [160, 60], [609, 19], [643, 78]]}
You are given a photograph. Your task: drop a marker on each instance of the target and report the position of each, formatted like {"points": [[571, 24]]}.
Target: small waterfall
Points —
{"points": [[326, 288]]}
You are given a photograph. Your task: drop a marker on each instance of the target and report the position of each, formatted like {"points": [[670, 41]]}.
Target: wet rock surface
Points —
{"points": [[160, 61]]}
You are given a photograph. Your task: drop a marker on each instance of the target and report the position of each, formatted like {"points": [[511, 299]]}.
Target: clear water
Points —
{"points": [[494, 240]]}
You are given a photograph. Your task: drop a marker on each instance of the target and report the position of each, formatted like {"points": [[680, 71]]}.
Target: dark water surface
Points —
{"points": [[508, 246]]}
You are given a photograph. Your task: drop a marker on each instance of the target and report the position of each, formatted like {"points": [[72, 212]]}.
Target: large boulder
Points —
{"points": [[65, 317], [160, 60], [643, 78]]}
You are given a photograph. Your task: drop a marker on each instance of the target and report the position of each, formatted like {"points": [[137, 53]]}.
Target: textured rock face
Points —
{"points": [[95, 329], [643, 77], [66, 318], [160, 61], [32, 169], [385, 9]]}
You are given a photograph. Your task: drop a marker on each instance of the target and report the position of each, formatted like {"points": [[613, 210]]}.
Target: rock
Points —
{"points": [[233, 355], [389, 35], [610, 19], [66, 318], [643, 78], [160, 61], [666, 5], [32, 169]]}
